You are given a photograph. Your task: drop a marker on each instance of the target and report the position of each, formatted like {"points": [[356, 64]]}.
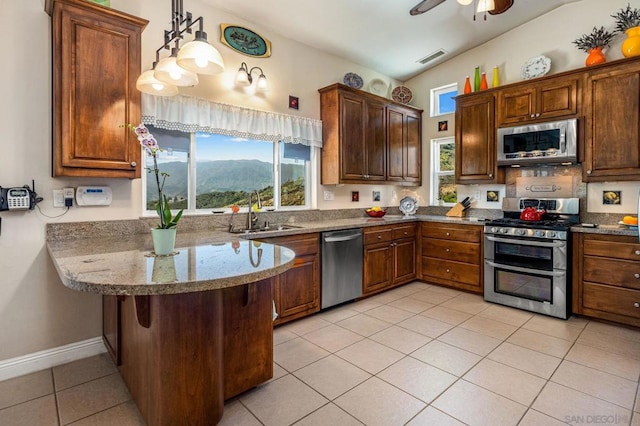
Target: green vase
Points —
{"points": [[476, 80]]}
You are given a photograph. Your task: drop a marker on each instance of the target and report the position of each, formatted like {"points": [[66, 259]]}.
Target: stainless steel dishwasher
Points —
{"points": [[341, 266]]}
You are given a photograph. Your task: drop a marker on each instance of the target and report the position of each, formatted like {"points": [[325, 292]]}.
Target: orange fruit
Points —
{"points": [[630, 220]]}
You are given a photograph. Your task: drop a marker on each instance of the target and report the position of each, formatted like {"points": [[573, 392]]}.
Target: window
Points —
{"points": [[213, 171], [443, 160], [442, 101]]}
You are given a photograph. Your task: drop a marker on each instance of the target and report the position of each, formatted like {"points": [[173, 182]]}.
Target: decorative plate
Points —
{"points": [[378, 87], [353, 80], [536, 67], [408, 206], [245, 41], [401, 94]]}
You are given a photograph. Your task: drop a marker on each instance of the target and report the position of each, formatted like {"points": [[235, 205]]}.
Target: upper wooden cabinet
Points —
{"points": [[612, 120], [543, 100], [404, 147], [368, 139], [476, 160], [96, 61]]}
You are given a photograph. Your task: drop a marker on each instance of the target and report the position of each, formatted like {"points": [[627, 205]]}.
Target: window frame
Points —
{"points": [[436, 173], [311, 168], [435, 99]]}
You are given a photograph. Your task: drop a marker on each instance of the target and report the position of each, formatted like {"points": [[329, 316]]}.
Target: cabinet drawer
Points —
{"points": [[614, 249], [451, 250], [449, 270], [468, 233], [616, 272], [306, 244], [615, 300], [400, 232], [376, 235]]}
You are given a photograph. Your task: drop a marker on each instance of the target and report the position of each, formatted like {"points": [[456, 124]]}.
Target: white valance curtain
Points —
{"points": [[200, 115]]}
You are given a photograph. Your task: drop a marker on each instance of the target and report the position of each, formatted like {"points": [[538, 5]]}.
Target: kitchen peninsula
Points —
{"points": [[186, 331]]}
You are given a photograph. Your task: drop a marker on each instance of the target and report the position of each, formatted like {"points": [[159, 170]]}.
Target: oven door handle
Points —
{"points": [[526, 242], [525, 270]]}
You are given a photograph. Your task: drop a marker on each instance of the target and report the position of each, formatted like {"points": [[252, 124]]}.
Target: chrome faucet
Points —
{"points": [[252, 217]]}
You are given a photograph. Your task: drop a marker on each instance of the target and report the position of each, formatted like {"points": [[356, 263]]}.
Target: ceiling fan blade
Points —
{"points": [[501, 6], [424, 6]]}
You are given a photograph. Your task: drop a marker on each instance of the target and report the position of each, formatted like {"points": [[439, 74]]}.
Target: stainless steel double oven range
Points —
{"points": [[528, 263]]}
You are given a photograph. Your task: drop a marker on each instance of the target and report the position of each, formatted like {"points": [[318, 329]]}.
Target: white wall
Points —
{"points": [[550, 35]]}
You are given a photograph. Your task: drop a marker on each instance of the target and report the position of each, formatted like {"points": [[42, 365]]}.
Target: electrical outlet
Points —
{"points": [[68, 194], [58, 198], [328, 196], [476, 195]]}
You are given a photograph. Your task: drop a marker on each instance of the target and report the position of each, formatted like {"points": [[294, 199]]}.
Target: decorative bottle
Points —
{"points": [[483, 82], [496, 79], [476, 80], [467, 85]]}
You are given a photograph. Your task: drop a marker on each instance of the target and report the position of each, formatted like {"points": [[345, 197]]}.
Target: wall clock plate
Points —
{"points": [[245, 41]]}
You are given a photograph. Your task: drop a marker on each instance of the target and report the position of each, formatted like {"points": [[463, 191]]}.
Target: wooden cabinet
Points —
{"points": [[368, 139], [404, 147], [543, 100], [452, 255], [96, 61], [389, 257], [476, 158], [606, 281], [111, 326], [296, 293], [612, 123]]}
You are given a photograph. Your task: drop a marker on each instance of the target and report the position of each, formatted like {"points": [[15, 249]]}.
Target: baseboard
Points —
{"points": [[49, 358]]}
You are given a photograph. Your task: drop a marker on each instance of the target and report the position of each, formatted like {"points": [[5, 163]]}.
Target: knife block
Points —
{"points": [[456, 211]]}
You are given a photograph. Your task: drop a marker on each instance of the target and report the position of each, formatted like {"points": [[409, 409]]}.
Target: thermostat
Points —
{"points": [[93, 195]]}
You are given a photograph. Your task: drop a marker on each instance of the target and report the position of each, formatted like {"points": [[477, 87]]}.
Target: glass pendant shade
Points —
{"points": [[262, 83], [465, 2], [168, 71], [147, 83], [242, 78], [485, 6], [200, 57]]}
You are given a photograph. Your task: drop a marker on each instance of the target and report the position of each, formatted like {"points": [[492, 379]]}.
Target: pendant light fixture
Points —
{"points": [[184, 64]]}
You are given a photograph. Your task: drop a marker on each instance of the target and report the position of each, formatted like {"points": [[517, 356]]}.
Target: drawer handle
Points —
{"points": [[379, 237], [406, 233], [636, 305], [588, 172], [448, 234], [636, 276], [448, 270], [637, 252], [447, 250]]}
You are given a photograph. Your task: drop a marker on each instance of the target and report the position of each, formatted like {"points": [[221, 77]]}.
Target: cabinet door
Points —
{"points": [[404, 147], [395, 144], [111, 326], [378, 267], [476, 140], [404, 261], [413, 148], [516, 105], [612, 124], [298, 289], [352, 149], [94, 91], [375, 146]]}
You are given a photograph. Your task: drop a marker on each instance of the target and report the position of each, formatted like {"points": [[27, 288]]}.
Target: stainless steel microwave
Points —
{"points": [[540, 143]]}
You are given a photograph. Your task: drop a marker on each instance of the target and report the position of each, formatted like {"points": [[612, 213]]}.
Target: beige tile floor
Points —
{"points": [[416, 355]]}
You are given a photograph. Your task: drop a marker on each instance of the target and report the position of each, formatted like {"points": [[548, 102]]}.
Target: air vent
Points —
{"points": [[432, 57]]}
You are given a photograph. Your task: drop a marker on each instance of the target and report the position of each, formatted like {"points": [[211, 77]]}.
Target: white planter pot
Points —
{"points": [[164, 241]]}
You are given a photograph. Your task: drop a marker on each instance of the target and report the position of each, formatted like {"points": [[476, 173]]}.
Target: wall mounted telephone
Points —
{"points": [[18, 198]]}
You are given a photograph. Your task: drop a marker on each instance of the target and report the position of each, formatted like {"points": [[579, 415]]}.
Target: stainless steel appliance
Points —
{"points": [[527, 263], [551, 142], [341, 266]]}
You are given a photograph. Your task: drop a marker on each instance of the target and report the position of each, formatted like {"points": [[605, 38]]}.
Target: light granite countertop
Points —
{"points": [[203, 262], [607, 230]]}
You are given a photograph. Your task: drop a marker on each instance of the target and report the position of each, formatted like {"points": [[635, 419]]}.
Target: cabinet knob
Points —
{"points": [[406, 233], [538, 115], [134, 164], [448, 234], [379, 237], [533, 115], [636, 305], [447, 250], [448, 270], [491, 175], [588, 172], [636, 276], [637, 252]]}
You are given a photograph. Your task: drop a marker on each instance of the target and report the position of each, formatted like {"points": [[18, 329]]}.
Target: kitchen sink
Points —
{"points": [[263, 229]]}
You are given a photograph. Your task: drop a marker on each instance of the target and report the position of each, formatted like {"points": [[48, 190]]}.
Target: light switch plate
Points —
{"points": [[58, 198], [328, 196]]}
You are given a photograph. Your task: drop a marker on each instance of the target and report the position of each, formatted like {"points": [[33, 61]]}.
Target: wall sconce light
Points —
{"points": [[244, 78], [184, 64]]}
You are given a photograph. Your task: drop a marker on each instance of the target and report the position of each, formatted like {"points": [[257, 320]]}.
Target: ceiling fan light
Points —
{"points": [[168, 71], [465, 2], [200, 57], [485, 6], [147, 83]]}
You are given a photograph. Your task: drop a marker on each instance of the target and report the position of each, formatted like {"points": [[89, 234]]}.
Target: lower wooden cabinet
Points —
{"points": [[389, 257], [452, 255], [606, 281], [296, 293], [111, 326]]}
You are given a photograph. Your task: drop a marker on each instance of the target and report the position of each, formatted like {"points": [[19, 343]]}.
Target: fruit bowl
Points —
{"points": [[375, 213]]}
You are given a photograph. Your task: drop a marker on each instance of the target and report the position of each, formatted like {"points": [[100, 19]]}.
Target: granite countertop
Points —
{"points": [[607, 230], [125, 266]]}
